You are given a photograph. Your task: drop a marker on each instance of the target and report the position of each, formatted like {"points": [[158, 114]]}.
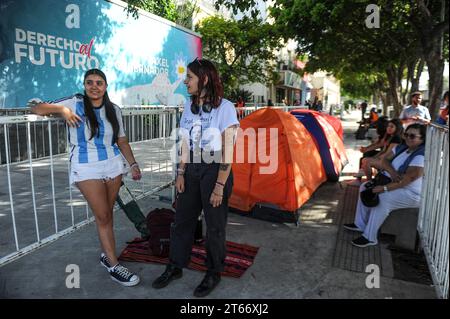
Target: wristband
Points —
{"points": [[134, 164]]}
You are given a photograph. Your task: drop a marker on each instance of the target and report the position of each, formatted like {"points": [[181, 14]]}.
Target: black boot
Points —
{"points": [[168, 275], [208, 284]]}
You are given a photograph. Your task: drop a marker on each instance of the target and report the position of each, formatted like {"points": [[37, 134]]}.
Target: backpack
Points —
{"points": [[159, 222]]}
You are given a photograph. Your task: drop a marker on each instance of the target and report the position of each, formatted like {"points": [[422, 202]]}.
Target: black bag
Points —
{"points": [[361, 132], [159, 222], [369, 198], [380, 179]]}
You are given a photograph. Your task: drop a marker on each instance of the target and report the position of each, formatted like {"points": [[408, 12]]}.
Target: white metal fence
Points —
{"points": [[37, 203], [433, 224]]}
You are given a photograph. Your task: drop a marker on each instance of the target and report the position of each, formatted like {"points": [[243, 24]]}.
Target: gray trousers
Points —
{"points": [[200, 180]]}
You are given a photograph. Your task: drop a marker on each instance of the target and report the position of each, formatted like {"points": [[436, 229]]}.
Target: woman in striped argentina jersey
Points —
{"points": [[98, 147]]}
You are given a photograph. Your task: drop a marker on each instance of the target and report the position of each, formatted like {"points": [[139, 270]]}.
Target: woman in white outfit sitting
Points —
{"points": [[404, 165]]}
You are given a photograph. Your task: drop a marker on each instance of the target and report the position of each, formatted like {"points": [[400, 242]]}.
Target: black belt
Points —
{"points": [[201, 153]]}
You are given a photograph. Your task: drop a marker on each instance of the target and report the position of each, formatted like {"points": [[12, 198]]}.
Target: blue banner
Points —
{"points": [[46, 46]]}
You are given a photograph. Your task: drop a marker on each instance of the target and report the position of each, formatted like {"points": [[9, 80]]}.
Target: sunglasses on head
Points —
{"points": [[411, 136], [206, 108], [198, 61]]}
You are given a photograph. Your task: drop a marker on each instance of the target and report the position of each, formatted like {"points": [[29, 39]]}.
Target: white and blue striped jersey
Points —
{"points": [[99, 148]]}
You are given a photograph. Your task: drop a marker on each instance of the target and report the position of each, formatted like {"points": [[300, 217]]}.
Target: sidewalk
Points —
{"points": [[292, 262]]}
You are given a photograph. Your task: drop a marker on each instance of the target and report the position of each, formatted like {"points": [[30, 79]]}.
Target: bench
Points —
{"points": [[403, 224]]}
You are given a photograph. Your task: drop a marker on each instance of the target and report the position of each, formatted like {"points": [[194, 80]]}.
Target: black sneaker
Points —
{"points": [[352, 227], [104, 261], [362, 242], [123, 276]]}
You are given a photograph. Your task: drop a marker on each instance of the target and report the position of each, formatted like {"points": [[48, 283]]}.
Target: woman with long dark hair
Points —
{"points": [[98, 145], [204, 179], [392, 138]]}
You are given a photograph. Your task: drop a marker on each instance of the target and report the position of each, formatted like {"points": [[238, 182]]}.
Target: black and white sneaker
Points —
{"points": [[104, 261], [123, 276], [352, 227], [362, 241]]}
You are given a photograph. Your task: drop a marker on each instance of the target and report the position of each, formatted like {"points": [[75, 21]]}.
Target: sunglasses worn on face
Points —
{"points": [[411, 136]]}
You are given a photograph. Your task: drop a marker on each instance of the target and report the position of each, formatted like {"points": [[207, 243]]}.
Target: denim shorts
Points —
{"points": [[101, 170]]}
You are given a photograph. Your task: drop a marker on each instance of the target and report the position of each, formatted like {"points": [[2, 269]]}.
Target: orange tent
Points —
{"points": [[287, 178]]}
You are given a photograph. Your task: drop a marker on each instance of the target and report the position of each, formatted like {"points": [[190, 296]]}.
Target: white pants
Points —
{"points": [[370, 219]]}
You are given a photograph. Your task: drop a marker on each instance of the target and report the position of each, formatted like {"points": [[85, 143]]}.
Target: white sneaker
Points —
{"points": [[123, 276]]}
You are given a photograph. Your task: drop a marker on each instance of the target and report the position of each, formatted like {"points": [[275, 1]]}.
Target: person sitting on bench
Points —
{"points": [[404, 165]]}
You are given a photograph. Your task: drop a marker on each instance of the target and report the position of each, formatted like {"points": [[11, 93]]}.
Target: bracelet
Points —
{"points": [[385, 189], [221, 184], [134, 164]]}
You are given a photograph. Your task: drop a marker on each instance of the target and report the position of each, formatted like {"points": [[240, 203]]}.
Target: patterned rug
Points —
{"points": [[238, 259]]}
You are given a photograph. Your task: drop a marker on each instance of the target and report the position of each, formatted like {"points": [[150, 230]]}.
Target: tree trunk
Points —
{"points": [[431, 38], [393, 89], [435, 72], [416, 77], [384, 100]]}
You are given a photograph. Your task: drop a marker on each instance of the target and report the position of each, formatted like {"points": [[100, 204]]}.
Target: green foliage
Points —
{"points": [[163, 8], [237, 6], [186, 12], [242, 50], [236, 93]]}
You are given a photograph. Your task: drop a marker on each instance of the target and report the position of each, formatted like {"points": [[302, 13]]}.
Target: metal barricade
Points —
{"points": [[38, 204], [433, 220]]}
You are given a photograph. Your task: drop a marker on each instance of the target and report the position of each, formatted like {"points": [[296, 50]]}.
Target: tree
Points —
{"points": [[342, 43], [180, 14], [236, 93], [430, 19], [335, 36], [186, 12], [163, 8], [242, 50]]}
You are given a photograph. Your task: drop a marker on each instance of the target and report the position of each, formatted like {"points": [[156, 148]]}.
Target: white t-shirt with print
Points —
{"points": [[204, 129], [418, 161], [99, 148]]}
